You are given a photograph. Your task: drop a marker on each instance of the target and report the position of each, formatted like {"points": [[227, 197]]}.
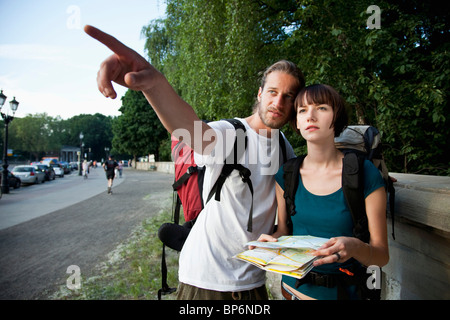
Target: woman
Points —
{"points": [[321, 207]]}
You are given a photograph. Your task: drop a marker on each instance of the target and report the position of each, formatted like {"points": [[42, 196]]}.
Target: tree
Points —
{"points": [[97, 132], [40, 134], [137, 131], [395, 77], [213, 51], [32, 134]]}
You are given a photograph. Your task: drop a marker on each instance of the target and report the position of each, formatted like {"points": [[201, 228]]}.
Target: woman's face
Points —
{"points": [[315, 121]]}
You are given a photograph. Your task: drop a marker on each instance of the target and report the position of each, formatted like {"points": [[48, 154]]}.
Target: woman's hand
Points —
{"points": [[338, 249]]}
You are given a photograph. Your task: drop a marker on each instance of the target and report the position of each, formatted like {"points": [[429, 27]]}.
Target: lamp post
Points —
{"points": [[106, 152], [81, 154], [13, 104]]}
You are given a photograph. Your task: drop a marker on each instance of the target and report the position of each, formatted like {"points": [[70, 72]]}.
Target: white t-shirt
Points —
{"points": [[220, 232]]}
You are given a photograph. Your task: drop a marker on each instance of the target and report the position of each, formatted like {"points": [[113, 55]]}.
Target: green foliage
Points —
{"points": [[138, 130], [97, 133], [35, 135], [31, 133], [395, 78], [214, 54]]}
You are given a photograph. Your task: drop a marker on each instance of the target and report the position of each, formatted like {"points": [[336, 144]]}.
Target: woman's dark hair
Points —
{"points": [[318, 94]]}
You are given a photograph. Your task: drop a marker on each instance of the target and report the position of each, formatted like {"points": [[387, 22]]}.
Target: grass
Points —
{"points": [[133, 269]]}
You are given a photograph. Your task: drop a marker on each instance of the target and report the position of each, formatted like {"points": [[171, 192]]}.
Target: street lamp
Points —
{"points": [[13, 104], [81, 154]]}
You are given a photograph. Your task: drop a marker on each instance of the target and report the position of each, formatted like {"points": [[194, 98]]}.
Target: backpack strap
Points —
{"points": [[165, 289], [352, 186], [176, 185], [281, 139], [352, 179], [230, 164], [189, 172], [291, 177], [245, 175], [391, 191], [237, 152], [176, 210]]}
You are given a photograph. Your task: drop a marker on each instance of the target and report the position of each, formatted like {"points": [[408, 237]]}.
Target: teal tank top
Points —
{"points": [[326, 216]]}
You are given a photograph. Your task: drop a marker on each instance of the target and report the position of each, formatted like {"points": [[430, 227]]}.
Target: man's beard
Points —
{"points": [[268, 122]]}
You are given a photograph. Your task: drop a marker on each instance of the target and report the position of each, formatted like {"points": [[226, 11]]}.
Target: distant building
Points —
{"points": [[69, 153]]}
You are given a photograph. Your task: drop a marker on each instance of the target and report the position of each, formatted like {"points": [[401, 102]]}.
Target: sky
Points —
{"points": [[49, 64]]}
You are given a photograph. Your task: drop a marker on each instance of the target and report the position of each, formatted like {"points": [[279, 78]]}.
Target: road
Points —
{"points": [[31, 201], [72, 221]]}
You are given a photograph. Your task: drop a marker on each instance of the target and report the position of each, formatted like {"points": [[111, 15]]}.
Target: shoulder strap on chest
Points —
{"points": [[230, 164], [291, 175], [353, 188], [282, 142], [238, 151]]}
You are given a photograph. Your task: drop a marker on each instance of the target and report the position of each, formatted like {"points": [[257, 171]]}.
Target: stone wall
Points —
{"points": [[167, 167], [419, 266]]}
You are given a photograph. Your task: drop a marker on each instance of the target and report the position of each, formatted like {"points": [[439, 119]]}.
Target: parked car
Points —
{"points": [[74, 165], [58, 170], [13, 181], [48, 170], [29, 174], [66, 167]]}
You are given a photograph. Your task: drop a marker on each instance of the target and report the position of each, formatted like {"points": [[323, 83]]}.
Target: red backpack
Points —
{"points": [[189, 177], [187, 184]]}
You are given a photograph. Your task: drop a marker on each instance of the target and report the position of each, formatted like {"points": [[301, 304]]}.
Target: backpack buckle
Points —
{"points": [[192, 169], [245, 174], [323, 280]]}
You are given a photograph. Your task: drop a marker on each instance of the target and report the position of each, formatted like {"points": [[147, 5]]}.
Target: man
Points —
{"points": [[110, 166], [207, 269]]}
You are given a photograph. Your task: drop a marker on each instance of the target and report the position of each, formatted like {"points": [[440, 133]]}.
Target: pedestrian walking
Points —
{"points": [[120, 168], [85, 169], [110, 166]]}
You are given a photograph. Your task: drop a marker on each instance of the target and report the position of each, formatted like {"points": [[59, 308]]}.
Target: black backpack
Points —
{"points": [[358, 143], [190, 185]]}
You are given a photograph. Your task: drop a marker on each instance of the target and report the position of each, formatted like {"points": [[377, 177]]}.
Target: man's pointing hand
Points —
{"points": [[125, 67]]}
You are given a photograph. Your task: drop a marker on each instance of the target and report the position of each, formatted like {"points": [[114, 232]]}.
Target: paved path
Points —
{"points": [[36, 252], [31, 201]]}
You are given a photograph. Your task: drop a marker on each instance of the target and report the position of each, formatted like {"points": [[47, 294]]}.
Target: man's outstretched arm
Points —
{"points": [[127, 68]]}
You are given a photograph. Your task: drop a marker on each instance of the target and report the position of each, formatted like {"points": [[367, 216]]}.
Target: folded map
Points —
{"points": [[290, 255]]}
